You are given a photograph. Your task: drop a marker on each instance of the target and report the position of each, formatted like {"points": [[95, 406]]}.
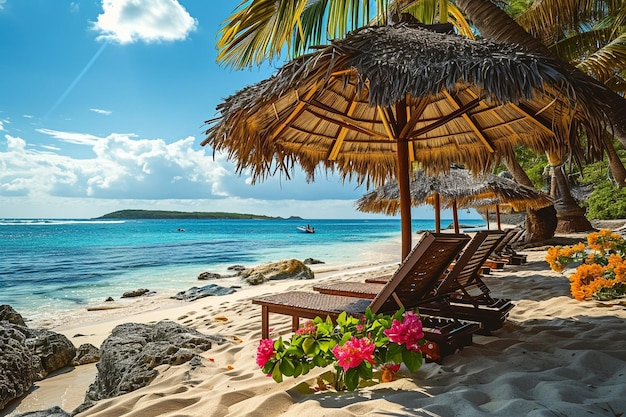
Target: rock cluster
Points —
{"points": [[131, 353], [285, 269], [28, 355]]}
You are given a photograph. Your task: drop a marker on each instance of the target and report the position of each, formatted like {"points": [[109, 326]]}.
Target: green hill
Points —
{"points": [[162, 214]]}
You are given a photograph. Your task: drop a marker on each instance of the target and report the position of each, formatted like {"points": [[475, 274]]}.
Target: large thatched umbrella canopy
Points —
{"points": [[371, 104], [457, 188]]}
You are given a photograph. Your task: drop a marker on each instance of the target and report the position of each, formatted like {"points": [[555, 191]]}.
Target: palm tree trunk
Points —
{"points": [[616, 165], [570, 216], [540, 224], [494, 23]]}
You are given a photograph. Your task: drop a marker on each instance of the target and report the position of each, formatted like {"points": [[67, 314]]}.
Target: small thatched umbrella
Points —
{"points": [[457, 188], [383, 98]]}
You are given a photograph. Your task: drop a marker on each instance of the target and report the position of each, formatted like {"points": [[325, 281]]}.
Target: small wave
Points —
{"points": [[40, 222]]}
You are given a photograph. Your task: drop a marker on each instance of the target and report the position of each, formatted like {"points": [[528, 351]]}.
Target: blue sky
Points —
{"points": [[102, 106]]}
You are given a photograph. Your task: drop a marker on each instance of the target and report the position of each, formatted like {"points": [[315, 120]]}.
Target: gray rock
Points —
{"points": [[55, 411], [285, 269], [16, 363], [132, 351], [312, 261], [255, 278], [209, 275], [236, 268], [7, 313], [28, 355], [195, 293], [54, 350], [86, 353], [135, 293]]}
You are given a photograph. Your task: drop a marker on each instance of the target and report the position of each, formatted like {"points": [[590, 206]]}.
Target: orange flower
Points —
{"points": [[581, 279], [604, 240]]}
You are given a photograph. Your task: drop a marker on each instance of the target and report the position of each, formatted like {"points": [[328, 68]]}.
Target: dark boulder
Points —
{"points": [[136, 293], [7, 313], [27, 355], [312, 261], [204, 276], [54, 350], [16, 363], [132, 351]]}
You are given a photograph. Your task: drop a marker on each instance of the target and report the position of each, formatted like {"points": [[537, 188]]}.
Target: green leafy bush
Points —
{"points": [[606, 202]]}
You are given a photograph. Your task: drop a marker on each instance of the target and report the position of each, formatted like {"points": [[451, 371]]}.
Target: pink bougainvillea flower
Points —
{"points": [[264, 352], [354, 352], [407, 332]]}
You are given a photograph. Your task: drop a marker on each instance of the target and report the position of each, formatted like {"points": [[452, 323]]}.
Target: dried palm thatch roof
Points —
{"points": [[458, 186], [342, 107]]}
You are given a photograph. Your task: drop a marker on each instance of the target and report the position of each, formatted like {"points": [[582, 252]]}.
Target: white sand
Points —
{"points": [[554, 357]]}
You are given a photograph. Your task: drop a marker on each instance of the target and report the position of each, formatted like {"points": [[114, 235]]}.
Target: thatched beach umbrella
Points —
{"points": [[370, 105], [455, 189]]}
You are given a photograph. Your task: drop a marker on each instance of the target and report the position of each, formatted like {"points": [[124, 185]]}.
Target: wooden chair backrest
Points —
{"points": [[418, 275]]}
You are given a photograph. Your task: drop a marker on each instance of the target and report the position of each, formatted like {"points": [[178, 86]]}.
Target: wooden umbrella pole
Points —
{"points": [[437, 214], [455, 217], [405, 197], [403, 180], [498, 216]]}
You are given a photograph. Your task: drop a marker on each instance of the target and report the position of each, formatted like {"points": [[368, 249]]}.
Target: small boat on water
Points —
{"points": [[306, 229]]}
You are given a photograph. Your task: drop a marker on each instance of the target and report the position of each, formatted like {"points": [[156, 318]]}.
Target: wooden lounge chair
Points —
{"points": [[415, 278], [459, 293], [504, 253]]}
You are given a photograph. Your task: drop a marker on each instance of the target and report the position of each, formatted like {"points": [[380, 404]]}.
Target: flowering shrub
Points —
{"points": [[602, 273], [354, 346]]}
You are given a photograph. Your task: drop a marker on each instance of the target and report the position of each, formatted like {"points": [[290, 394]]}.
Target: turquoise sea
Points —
{"points": [[48, 266]]}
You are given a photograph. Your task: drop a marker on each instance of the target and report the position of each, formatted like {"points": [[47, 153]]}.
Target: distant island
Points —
{"points": [[162, 214]]}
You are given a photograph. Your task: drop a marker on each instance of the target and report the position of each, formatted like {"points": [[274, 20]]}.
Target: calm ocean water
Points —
{"points": [[48, 266]]}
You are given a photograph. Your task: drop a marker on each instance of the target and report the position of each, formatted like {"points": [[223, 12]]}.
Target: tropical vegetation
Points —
{"points": [[164, 214]]}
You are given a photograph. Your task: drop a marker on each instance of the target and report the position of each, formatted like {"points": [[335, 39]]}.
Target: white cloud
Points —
{"points": [[121, 168], [1, 125], [74, 7], [2, 3], [71, 137], [27, 116], [128, 21], [100, 111]]}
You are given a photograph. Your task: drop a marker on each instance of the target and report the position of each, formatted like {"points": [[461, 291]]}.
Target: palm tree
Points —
{"points": [[496, 24]]}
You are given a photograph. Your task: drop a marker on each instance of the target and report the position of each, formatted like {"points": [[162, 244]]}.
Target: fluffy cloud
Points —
{"points": [[1, 125], [121, 167], [2, 2], [128, 21]]}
